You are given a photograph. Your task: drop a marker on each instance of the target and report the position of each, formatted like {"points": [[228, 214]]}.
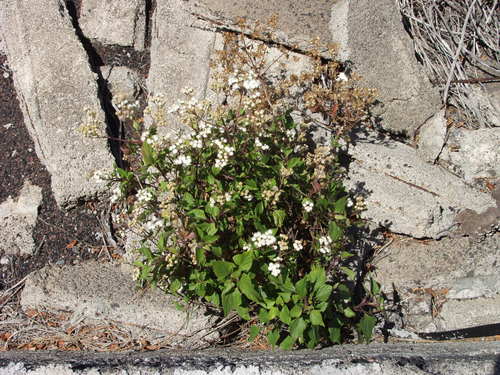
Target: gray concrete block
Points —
{"points": [[121, 22], [383, 55], [406, 194], [432, 137], [54, 84], [101, 291], [17, 221]]}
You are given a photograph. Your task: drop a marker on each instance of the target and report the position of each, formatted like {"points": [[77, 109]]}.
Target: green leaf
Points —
{"points": [[231, 301], [335, 335], [200, 256], [317, 276], [188, 198], [259, 209], [197, 213], [285, 297], [313, 337], [287, 343], [273, 312], [212, 210], [246, 287], [334, 231], [254, 332], [366, 325], [296, 311], [374, 287], [211, 179], [243, 312], [279, 217], [264, 315], [340, 205], [285, 315], [222, 268], [348, 313], [301, 287], [297, 328], [316, 318], [293, 162], [244, 260], [147, 153], [273, 337], [351, 275]]}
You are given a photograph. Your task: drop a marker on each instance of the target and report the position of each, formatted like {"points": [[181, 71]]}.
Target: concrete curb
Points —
{"points": [[446, 358]]}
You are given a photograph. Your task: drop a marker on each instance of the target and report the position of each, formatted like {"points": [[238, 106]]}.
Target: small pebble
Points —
{"points": [[13, 153], [6, 75], [4, 261], [30, 150], [7, 126]]}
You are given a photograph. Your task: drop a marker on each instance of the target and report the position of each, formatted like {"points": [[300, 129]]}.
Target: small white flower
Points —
{"points": [[308, 205], [342, 77], [350, 203], [247, 196], [153, 224], [144, 195], [196, 143], [227, 197], [117, 194], [290, 133], [297, 245], [184, 160], [261, 145], [325, 241], [263, 239], [251, 84], [274, 268]]}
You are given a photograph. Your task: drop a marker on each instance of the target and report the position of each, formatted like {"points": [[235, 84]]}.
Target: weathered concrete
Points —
{"points": [[180, 54], [377, 359], [458, 276], [406, 194], [122, 81], [101, 291], [473, 154], [383, 55], [121, 22], [17, 220], [432, 137], [54, 84]]}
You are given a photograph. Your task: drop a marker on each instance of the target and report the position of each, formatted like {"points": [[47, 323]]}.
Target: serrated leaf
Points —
{"points": [[335, 335], [273, 337], [334, 231], [365, 327], [297, 328], [231, 301], [323, 293], [285, 315], [348, 313], [253, 332], [279, 217], [197, 213], [351, 275], [222, 268], [301, 287], [188, 198], [245, 284], [244, 260], [243, 312], [264, 315], [293, 162], [287, 343], [296, 311], [316, 318], [273, 312]]}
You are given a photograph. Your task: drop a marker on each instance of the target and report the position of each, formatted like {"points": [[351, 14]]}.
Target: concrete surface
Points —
{"points": [[101, 291], [473, 154], [18, 219], [54, 84], [121, 22], [407, 195], [432, 137], [180, 54], [383, 55], [378, 359]]}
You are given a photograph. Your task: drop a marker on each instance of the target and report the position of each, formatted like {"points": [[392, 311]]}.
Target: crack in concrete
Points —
{"points": [[113, 125]]}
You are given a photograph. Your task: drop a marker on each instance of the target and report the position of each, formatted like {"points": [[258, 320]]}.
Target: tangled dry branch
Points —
{"points": [[458, 43]]}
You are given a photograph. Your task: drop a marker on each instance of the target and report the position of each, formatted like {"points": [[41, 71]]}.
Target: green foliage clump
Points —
{"points": [[241, 211]]}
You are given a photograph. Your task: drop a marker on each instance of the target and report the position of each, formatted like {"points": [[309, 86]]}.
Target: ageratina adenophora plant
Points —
{"points": [[240, 210]]}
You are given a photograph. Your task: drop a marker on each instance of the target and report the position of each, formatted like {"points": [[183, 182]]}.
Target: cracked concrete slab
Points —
{"points": [[405, 194], [180, 54], [121, 22], [383, 55], [54, 84], [102, 292], [18, 219]]}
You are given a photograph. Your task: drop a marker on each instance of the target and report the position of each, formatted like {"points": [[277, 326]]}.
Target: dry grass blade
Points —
{"points": [[458, 43]]}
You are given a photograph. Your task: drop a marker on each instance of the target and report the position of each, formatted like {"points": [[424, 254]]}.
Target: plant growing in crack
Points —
{"points": [[241, 211]]}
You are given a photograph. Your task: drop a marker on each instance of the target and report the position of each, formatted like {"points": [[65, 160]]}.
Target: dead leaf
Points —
{"points": [[71, 244], [31, 313]]}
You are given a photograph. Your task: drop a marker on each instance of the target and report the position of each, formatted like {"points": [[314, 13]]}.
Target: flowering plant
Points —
{"points": [[242, 211]]}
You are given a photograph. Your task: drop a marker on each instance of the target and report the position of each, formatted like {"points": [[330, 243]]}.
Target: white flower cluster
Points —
{"points": [[291, 133], [263, 239], [325, 244], [126, 109], [261, 145], [144, 196], [183, 160], [297, 245], [116, 194], [308, 205], [153, 224], [224, 153], [275, 269], [247, 196]]}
